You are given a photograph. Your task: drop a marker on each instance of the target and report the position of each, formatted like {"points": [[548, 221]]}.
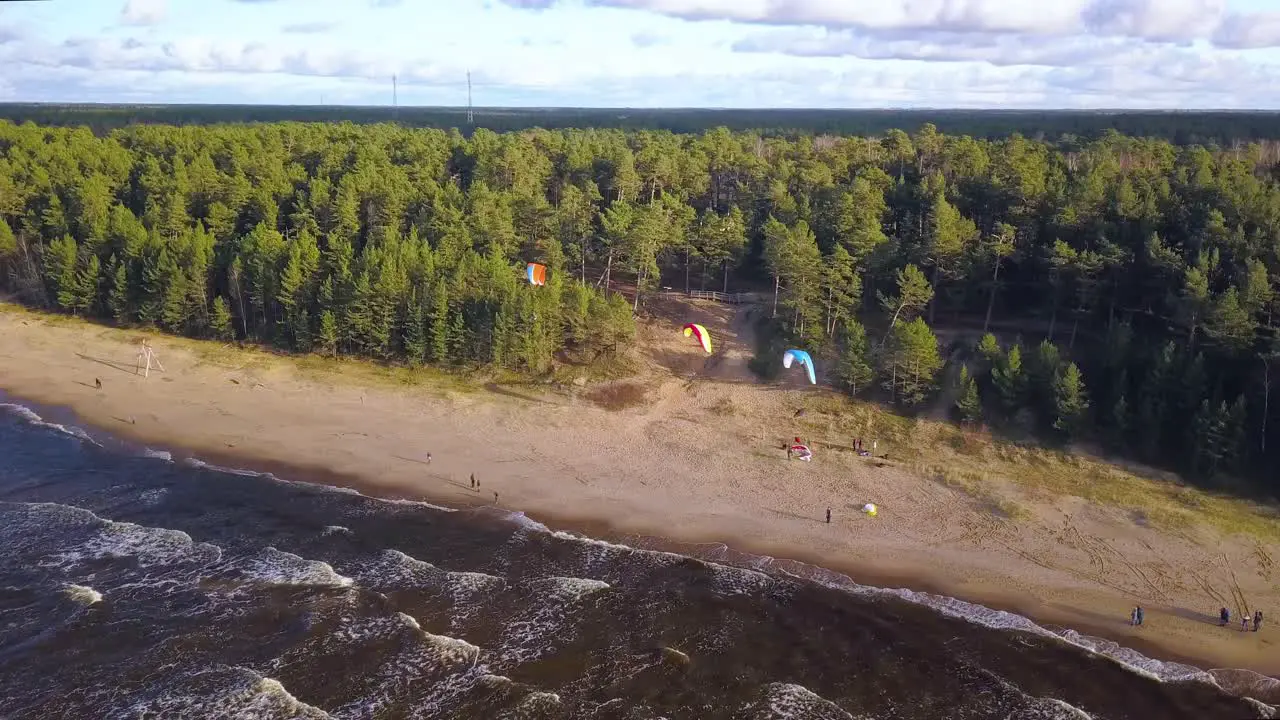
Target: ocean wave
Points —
{"points": [[84, 536], [404, 667], [275, 567], [82, 594], [541, 625], [32, 417], [220, 692], [728, 565], [788, 701]]}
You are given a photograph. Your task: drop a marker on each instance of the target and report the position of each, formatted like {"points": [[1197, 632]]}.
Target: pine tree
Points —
{"points": [[910, 362], [220, 322], [1119, 424], [86, 285], [1071, 401], [1010, 382], [853, 367], [439, 333], [989, 354], [459, 339], [118, 296], [327, 337], [415, 332], [914, 293], [968, 403], [60, 270], [1041, 373]]}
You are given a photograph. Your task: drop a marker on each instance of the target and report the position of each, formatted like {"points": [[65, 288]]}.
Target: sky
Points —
{"points": [[1171, 54]]}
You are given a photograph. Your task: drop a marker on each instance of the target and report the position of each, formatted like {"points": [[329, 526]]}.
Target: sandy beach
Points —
{"points": [[697, 461]]}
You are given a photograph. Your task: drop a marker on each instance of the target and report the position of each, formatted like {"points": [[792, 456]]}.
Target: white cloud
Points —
{"points": [[1259, 30], [653, 53], [1154, 20], [144, 12]]}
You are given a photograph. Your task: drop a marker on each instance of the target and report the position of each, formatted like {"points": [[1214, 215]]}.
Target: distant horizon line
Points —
{"points": [[690, 108]]}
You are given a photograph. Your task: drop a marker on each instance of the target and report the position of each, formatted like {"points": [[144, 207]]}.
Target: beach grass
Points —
{"points": [[984, 466]]}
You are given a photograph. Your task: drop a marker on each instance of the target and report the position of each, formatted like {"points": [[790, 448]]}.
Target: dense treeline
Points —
{"points": [[1222, 128], [1132, 284]]}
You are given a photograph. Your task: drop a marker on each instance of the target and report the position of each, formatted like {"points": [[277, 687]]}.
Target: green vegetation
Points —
{"points": [[1181, 127], [1121, 289]]}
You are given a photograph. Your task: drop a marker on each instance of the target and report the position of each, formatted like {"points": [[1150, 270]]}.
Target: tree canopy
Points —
{"points": [[1128, 284]]}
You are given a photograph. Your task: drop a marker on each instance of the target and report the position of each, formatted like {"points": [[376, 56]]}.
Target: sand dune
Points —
{"points": [[698, 460]]}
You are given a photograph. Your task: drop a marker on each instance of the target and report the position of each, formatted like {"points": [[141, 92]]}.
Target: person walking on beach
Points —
{"points": [[1224, 615], [1138, 614], [1244, 623], [97, 383], [1257, 620], [428, 458], [1133, 616], [495, 497], [828, 516], [475, 484]]}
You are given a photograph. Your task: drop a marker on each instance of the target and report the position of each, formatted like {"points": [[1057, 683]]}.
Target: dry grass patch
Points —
{"points": [[618, 396]]}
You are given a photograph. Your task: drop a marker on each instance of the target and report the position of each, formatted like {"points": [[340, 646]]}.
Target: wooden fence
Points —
{"points": [[731, 298]]}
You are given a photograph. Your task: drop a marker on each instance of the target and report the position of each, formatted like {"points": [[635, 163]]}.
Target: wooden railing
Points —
{"points": [[731, 298]]}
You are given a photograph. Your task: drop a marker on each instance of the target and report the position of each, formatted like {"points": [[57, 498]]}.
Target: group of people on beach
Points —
{"points": [[1224, 619]]}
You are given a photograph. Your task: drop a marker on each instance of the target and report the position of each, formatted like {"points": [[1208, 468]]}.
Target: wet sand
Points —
{"points": [[697, 462]]}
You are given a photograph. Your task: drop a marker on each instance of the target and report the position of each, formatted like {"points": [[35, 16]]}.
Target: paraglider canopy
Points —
{"points": [[537, 274], [700, 334], [802, 357], [870, 509]]}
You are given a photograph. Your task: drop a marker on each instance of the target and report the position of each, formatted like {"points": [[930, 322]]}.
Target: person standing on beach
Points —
{"points": [[428, 458], [1138, 613], [1224, 615], [1257, 620], [828, 516], [97, 383], [1244, 623], [1133, 616], [495, 497]]}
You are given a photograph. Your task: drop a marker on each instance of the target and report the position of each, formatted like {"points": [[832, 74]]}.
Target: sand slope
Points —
{"points": [[697, 461]]}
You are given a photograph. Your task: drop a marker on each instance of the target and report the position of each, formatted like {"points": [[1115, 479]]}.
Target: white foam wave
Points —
{"points": [[153, 496], [82, 594], [432, 669], [36, 526], [147, 546], [335, 530], [32, 417], [736, 579], [519, 519], [222, 692], [201, 464], [394, 570], [274, 567], [787, 700], [1049, 709], [542, 623]]}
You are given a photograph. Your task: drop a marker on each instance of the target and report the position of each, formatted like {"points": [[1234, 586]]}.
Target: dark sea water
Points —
{"points": [[134, 586]]}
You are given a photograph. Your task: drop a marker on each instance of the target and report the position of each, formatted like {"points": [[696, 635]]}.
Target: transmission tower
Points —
{"points": [[395, 99], [471, 118]]}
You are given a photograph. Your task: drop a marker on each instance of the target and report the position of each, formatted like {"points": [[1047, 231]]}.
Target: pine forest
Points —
{"points": [[1121, 291]]}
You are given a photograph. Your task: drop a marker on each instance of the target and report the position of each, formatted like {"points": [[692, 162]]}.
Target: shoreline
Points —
{"points": [[600, 529], [639, 484]]}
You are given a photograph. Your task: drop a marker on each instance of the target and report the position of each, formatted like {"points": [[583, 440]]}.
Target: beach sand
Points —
{"points": [[700, 460]]}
